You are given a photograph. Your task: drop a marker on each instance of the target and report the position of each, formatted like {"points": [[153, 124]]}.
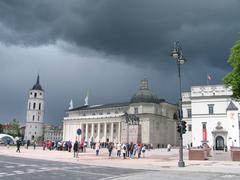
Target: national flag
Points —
{"points": [[209, 77]]}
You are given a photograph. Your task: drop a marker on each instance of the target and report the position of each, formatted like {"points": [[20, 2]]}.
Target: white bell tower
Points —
{"points": [[35, 112]]}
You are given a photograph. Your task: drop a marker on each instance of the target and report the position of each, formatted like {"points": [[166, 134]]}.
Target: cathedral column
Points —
{"points": [[119, 132], [80, 137], [86, 133], [92, 133], [98, 131], [111, 137], [105, 132]]}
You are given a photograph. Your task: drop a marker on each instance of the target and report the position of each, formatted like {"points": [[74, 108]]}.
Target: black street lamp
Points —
{"points": [[178, 56]]}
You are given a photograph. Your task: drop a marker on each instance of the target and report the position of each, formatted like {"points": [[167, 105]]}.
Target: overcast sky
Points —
{"points": [[106, 47]]}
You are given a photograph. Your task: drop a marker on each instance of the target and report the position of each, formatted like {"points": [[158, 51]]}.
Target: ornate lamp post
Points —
{"points": [[177, 54]]}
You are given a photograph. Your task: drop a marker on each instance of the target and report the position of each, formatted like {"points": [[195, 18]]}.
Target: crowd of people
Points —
{"points": [[120, 150], [125, 150]]}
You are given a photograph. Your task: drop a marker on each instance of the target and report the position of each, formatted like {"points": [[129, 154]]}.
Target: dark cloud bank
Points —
{"points": [[136, 32]]}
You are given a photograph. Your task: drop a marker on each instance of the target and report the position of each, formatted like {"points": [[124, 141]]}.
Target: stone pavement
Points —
{"points": [[158, 159]]}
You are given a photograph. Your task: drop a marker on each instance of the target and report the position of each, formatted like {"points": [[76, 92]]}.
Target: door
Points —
{"points": [[219, 143]]}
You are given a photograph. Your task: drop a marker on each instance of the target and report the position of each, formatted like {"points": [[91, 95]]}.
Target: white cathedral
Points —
{"points": [[106, 123], [35, 113]]}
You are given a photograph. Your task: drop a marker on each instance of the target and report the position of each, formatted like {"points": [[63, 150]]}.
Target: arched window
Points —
{"points": [[34, 105]]}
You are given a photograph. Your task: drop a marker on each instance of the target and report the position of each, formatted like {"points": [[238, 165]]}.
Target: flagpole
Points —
{"points": [[207, 79]]}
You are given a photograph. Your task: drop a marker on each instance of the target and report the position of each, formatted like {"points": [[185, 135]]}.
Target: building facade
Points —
{"points": [[212, 117], [53, 133], [35, 113], [105, 123]]}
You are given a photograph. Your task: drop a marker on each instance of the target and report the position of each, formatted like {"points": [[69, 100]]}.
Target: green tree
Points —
{"points": [[1, 128], [13, 128], [233, 78]]}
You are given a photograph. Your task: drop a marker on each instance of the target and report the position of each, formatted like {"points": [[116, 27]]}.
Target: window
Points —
{"points": [[189, 127], [29, 106], [189, 113], [135, 110], [39, 106], [35, 95], [210, 109], [34, 105], [38, 118], [33, 118]]}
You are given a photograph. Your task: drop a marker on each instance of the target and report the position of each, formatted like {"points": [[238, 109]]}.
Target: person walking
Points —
{"points": [[131, 148], [143, 151], [28, 143], [69, 146], [75, 149], [34, 145], [97, 148], [119, 149], [169, 146], [18, 145], [110, 147], [124, 149], [8, 143], [44, 145], [139, 150]]}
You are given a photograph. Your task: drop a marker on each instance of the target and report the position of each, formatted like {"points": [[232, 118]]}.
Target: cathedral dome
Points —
{"points": [[144, 94], [37, 86]]}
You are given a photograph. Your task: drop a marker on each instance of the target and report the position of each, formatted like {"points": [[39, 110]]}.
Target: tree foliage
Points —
{"points": [[233, 78], [13, 128], [1, 128]]}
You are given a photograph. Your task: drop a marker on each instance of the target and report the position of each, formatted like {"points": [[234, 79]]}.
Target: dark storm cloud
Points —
{"points": [[141, 31]]}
